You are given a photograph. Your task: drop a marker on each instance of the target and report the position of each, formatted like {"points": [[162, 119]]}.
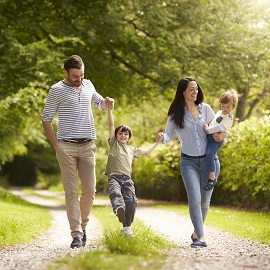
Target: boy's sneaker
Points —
{"points": [[120, 212], [76, 243], [84, 238], [127, 231]]}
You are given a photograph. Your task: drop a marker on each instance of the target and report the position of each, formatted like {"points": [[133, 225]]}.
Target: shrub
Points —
{"points": [[245, 164]]}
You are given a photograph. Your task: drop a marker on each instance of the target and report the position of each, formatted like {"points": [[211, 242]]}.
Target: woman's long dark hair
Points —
{"points": [[177, 108]]}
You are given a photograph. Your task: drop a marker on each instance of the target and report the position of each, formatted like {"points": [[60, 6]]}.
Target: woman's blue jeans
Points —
{"points": [[195, 176]]}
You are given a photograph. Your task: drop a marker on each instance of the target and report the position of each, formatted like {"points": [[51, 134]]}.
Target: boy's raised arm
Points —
{"points": [[111, 122]]}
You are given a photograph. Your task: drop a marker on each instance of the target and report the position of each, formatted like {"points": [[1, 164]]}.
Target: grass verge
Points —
{"points": [[20, 221]]}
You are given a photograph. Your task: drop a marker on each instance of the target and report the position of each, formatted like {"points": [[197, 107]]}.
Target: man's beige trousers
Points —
{"points": [[77, 161]]}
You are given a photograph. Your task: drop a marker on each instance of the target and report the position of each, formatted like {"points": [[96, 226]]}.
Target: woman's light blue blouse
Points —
{"points": [[192, 136]]}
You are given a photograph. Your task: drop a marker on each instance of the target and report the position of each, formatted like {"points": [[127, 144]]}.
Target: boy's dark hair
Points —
{"points": [[74, 61], [123, 128]]}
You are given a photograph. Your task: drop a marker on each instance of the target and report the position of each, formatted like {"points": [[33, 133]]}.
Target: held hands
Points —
{"points": [[109, 103], [159, 137]]}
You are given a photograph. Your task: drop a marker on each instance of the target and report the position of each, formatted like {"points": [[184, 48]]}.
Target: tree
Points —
{"points": [[131, 48]]}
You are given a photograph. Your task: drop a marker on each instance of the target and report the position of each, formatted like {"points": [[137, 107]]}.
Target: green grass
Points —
{"points": [[20, 221], [145, 242], [99, 260]]}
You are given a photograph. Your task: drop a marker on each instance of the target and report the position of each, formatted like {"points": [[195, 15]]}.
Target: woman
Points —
{"points": [[186, 117]]}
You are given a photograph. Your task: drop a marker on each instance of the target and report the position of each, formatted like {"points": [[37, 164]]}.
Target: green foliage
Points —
{"points": [[134, 51], [245, 163], [18, 116], [39, 168]]}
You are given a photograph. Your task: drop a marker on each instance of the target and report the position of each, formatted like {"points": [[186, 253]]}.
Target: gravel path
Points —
{"points": [[223, 252], [50, 245]]}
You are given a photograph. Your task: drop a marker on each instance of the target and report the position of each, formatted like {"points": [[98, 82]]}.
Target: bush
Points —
{"points": [[245, 165]]}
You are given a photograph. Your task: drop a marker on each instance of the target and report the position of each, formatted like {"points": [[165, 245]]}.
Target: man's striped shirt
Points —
{"points": [[75, 117]]}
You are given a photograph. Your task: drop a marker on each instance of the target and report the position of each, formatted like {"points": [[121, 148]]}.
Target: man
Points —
{"points": [[71, 100]]}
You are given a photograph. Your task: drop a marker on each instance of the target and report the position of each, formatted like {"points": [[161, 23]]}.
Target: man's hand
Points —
{"points": [[109, 103]]}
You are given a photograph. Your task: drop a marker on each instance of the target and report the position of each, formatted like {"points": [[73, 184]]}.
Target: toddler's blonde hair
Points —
{"points": [[229, 97]]}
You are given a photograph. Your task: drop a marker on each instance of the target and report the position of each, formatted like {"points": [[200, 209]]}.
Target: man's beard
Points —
{"points": [[76, 83]]}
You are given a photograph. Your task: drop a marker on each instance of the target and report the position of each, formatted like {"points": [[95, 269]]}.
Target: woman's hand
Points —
{"points": [[219, 136], [205, 127]]}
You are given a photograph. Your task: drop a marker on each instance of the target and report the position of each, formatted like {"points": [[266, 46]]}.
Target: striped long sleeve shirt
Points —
{"points": [[75, 117]]}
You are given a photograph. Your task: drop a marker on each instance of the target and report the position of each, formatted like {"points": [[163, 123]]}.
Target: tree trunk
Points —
{"points": [[242, 104]]}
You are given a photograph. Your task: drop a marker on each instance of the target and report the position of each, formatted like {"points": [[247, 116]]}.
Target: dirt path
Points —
{"points": [[223, 252]]}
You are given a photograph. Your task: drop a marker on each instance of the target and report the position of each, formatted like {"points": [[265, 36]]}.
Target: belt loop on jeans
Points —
{"points": [[193, 157], [77, 141]]}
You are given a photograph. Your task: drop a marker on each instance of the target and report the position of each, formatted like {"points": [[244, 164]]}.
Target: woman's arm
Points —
{"points": [[220, 136], [169, 131]]}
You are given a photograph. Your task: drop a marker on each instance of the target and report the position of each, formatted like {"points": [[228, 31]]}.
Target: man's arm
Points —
{"points": [[49, 132], [158, 139]]}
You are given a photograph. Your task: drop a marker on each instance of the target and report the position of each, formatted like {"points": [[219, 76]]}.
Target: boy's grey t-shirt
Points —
{"points": [[121, 157]]}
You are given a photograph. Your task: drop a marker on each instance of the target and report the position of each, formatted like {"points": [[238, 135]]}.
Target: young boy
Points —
{"points": [[119, 168], [223, 120]]}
